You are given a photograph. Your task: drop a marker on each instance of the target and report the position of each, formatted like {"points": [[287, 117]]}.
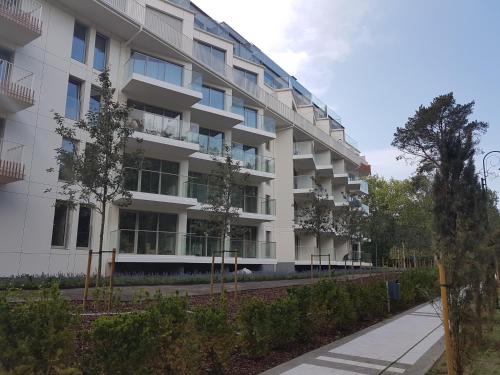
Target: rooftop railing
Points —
{"points": [[16, 82], [163, 126], [24, 12]]}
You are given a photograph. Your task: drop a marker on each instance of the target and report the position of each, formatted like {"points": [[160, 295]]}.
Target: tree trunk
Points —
{"points": [[223, 248], [101, 241], [318, 239]]}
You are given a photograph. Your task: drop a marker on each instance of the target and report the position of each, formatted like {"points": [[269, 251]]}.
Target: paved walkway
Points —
{"points": [[127, 292], [407, 344]]}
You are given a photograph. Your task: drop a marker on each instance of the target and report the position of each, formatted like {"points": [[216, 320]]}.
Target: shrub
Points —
{"points": [[160, 340], [303, 299], [217, 335], [36, 337], [418, 285], [254, 328], [284, 322], [369, 300]]}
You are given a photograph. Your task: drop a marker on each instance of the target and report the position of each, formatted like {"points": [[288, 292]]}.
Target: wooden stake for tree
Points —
{"points": [[113, 263], [235, 277], [212, 271], [446, 321], [87, 279], [312, 277]]}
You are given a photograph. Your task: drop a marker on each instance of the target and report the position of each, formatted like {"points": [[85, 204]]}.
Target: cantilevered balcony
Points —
{"points": [[162, 134], [16, 91], [303, 186], [357, 186], [156, 190], [20, 21], [255, 129], [160, 83], [303, 155], [217, 112], [11, 162]]}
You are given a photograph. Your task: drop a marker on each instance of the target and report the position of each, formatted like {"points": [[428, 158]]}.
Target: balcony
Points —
{"points": [[219, 114], [357, 186], [255, 128], [159, 246], [162, 134], [252, 209], [303, 155], [20, 21], [155, 190], [11, 162], [303, 186], [303, 256], [16, 91], [160, 83]]}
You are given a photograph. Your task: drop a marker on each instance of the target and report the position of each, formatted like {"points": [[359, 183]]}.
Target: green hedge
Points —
{"points": [[38, 336]]}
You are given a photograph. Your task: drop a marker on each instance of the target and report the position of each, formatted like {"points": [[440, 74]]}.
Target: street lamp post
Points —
{"points": [[484, 184]]}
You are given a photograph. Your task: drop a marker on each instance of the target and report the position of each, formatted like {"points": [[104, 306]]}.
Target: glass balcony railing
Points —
{"points": [[182, 3], [24, 12], [303, 148], [146, 242], [250, 204], [163, 71], [16, 82], [303, 253], [163, 126], [255, 120], [253, 161], [303, 182], [154, 182]]}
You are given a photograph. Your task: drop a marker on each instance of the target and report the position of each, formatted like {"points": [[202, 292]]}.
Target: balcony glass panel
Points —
{"points": [[155, 68]]}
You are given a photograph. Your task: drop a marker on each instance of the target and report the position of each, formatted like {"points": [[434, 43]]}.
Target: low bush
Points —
{"points": [[36, 334], [284, 323], [217, 336], [254, 327]]}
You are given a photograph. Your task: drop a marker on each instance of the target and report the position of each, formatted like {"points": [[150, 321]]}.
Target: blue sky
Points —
{"points": [[376, 61]]}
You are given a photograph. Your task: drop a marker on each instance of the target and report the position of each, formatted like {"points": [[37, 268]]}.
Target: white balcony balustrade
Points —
{"points": [[11, 162], [20, 21], [16, 88]]}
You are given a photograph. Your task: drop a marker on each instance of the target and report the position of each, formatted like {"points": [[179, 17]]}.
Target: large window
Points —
{"points": [[84, 229], [154, 120], [100, 52], [66, 166], [246, 154], [250, 116], [245, 78], [79, 46], [154, 176], [147, 233], [212, 97], [60, 224], [73, 96], [156, 68], [211, 141]]}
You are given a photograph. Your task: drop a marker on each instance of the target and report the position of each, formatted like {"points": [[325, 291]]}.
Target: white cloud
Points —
{"points": [[384, 163], [304, 37]]}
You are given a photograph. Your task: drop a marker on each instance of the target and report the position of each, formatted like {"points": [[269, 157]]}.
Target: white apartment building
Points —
{"points": [[195, 86]]}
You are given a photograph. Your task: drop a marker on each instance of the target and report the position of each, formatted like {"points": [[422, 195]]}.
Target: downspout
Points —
{"points": [[127, 43]]}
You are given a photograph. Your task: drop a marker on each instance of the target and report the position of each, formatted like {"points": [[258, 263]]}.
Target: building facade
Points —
{"points": [[195, 86]]}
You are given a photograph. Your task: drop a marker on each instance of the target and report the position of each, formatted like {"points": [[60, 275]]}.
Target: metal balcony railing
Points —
{"points": [[24, 12], [163, 126], [11, 161], [16, 82]]}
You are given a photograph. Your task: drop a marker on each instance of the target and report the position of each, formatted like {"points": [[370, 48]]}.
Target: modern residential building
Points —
{"points": [[195, 85]]}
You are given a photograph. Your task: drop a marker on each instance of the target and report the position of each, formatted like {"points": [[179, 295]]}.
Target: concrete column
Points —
{"points": [[284, 234], [181, 229]]}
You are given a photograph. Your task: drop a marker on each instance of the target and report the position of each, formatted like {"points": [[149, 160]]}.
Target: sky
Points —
{"points": [[376, 61]]}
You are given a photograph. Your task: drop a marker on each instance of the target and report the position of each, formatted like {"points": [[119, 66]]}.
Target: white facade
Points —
{"points": [[159, 57]]}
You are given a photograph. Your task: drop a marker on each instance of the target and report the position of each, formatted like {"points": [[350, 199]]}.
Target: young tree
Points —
{"points": [[444, 142], [315, 215], [221, 204], [95, 175]]}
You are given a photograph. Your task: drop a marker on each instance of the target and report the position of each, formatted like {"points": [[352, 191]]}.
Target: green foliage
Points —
{"points": [[254, 327], [159, 340], [418, 285], [284, 322], [36, 336], [217, 335], [369, 300]]}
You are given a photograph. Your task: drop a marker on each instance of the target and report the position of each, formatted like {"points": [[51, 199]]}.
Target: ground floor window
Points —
{"points": [[60, 224], [83, 232], [147, 233]]}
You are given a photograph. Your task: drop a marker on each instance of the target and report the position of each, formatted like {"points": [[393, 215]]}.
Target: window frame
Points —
{"points": [[85, 42], [75, 150], [66, 225], [106, 47], [91, 216], [79, 83]]}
